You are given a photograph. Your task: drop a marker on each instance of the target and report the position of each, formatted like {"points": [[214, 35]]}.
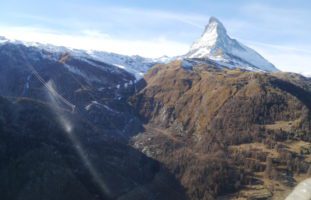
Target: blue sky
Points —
{"points": [[279, 30]]}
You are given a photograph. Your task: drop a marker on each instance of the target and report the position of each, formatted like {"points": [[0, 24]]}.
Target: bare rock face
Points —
{"points": [[214, 128]]}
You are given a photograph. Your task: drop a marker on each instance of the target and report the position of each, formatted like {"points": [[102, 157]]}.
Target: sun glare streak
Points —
{"points": [[69, 129]]}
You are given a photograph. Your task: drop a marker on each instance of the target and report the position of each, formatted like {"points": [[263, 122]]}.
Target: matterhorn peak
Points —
{"points": [[214, 32], [215, 44]]}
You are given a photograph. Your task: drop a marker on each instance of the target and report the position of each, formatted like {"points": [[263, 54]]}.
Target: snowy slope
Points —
{"points": [[215, 44], [135, 65]]}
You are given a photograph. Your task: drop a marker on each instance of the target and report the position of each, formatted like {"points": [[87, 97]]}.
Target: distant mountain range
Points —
{"points": [[136, 65], [214, 45]]}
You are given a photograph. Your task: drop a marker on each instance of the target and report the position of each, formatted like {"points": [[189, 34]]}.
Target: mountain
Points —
{"points": [[216, 45], [65, 124], [78, 124], [226, 133], [86, 85], [135, 65]]}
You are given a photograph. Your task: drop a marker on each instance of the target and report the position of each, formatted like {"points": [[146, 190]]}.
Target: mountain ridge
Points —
{"points": [[230, 123], [136, 65], [214, 44]]}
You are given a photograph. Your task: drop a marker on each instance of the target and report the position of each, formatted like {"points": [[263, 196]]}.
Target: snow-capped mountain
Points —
{"points": [[135, 65], [216, 45]]}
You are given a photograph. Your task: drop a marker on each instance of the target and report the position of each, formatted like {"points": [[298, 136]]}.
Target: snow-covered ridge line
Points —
{"points": [[214, 44], [135, 65]]}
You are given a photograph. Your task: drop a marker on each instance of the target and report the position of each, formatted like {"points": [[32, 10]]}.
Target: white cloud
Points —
{"points": [[92, 39]]}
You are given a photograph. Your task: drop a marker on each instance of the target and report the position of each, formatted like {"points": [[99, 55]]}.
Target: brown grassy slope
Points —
{"points": [[205, 99], [202, 112]]}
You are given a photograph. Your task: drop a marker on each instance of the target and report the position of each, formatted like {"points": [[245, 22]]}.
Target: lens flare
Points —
{"points": [[69, 129]]}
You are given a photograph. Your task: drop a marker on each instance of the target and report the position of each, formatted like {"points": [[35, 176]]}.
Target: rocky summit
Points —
{"points": [[215, 44]]}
